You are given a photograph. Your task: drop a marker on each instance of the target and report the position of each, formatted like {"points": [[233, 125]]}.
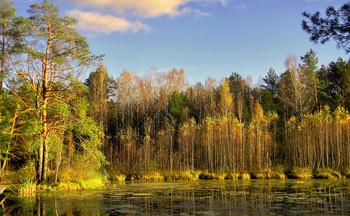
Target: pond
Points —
{"points": [[252, 197]]}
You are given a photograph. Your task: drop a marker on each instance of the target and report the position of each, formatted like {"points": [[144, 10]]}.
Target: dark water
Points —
{"points": [[255, 197]]}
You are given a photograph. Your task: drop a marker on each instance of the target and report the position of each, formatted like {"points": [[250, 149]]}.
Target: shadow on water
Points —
{"points": [[255, 197]]}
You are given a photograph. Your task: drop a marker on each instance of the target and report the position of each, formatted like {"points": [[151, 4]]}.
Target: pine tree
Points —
{"points": [[54, 46]]}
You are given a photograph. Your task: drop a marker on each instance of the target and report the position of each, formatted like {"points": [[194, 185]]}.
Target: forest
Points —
{"points": [[56, 127]]}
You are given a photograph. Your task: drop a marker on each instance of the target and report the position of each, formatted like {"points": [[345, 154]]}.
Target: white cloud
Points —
{"points": [[97, 23], [144, 8]]}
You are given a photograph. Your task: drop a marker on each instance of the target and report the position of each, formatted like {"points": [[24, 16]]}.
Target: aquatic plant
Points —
{"points": [[27, 189]]}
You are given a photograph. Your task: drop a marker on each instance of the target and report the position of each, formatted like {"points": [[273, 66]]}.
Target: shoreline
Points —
{"points": [[29, 189]]}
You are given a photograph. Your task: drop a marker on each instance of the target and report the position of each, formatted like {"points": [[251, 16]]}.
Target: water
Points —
{"points": [[254, 197]]}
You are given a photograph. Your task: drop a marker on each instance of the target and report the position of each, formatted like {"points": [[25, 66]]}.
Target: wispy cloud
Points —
{"points": [[202, 13], [97, 23], [144, 8], [241, 7]]}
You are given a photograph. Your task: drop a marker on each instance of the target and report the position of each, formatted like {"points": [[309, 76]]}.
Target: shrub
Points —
{"points": [[299, 173], [25, 174], [326, 174], [81, 169], [258, 175], [346, 173], [153, 176], [244, 176], [27, 189], [232, 176]]}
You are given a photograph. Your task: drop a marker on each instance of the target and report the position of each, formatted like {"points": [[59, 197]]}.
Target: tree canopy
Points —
{"points": [[334, 25]]}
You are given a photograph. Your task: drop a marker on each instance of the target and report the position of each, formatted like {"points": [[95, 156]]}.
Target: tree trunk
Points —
{"points": [[44, 133]]}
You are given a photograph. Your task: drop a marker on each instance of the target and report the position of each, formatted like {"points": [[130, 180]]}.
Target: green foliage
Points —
{"points": [[28, 189], [67, 44], [24, 175], [334, 25], [337, 87], [267, 102], [177, 105], [271, 81]]}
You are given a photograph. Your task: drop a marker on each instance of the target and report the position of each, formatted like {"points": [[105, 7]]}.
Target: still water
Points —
{"points": [[254, 197]]}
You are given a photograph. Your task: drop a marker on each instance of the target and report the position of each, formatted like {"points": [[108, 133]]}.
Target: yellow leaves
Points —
{"points": [[292, 121], [147, 138], [226, 103], [340, 112], [299, 128], [258, 114], [272, 116], [185, 129]]}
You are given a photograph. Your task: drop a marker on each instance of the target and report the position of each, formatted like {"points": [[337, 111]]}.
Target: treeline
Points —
{"points": [[158, 122]]}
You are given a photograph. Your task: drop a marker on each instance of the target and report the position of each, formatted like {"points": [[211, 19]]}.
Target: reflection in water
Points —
{"points": [[255, 197]]}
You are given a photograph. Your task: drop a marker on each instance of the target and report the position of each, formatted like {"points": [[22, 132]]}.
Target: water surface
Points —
{"points": [[252, 197]]}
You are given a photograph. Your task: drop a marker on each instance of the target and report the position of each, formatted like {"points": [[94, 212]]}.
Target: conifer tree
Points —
{"points": [[54, 46]]}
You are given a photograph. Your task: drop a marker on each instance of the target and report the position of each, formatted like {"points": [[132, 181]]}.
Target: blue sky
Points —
{"points": [[204, 37]]}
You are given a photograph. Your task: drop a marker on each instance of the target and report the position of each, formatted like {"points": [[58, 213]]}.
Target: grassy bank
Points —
{"points": [[22, 181]]}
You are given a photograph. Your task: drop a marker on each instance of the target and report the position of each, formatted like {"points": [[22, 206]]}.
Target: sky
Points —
{"points": [[206, 38]]}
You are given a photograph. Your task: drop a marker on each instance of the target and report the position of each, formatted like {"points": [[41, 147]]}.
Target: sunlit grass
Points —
{"points": [[153, 176], [27, 189], [232, 176], [267, 174], [258, 175], [187, 175], [327, 174], [244, 176], [299, 173]]}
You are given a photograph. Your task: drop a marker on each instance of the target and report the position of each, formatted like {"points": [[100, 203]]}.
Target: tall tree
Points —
{"points": [[293, 94], [101, 87], [57, 50], [271, 81], [337, 79], [313, 82], [10, 41]]}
